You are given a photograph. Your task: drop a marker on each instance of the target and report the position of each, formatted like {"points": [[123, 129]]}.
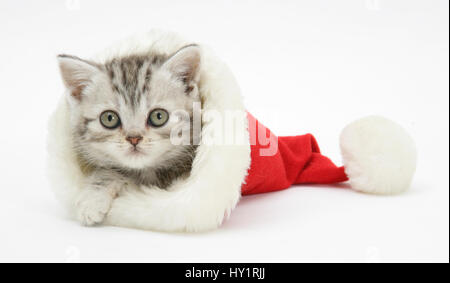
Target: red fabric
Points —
{"points": [[297, 160]]}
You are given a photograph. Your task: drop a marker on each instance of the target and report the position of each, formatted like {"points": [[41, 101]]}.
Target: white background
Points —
{"points": [[304, 66]]}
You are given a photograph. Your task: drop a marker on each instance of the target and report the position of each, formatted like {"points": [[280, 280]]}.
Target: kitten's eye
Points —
{"points": [[158, 117], [109, 119]]}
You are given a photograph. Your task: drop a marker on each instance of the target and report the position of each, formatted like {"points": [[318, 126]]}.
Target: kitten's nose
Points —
{"points": [[134, 140]]}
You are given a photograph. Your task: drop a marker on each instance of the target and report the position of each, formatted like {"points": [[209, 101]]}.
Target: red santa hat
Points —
{"points": [[378, 155]]}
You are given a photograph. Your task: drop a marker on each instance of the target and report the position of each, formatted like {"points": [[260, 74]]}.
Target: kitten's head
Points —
{"points": [[124, 111]]}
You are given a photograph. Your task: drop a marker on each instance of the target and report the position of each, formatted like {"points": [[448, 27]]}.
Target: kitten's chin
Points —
{"points": [[137, 159], [135, 163]]}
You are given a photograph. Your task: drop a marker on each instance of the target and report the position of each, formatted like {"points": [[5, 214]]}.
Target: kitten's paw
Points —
{"points": [[92, 206]]}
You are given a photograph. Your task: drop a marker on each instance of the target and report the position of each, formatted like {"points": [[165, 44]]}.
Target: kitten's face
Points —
{"points": [[123, 112]]}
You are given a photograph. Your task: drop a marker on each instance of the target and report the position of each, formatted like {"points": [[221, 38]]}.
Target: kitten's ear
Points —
{"points": [[76, 73], [185, 63]]}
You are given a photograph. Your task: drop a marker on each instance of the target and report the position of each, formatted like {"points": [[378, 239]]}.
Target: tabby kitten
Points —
{"points": [[129, 118]]}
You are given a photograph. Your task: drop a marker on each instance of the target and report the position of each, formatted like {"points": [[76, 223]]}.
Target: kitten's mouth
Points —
{"points": [[135, 151]]}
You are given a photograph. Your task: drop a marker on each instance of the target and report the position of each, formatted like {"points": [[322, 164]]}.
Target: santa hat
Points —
{"points": [[378, 156]]}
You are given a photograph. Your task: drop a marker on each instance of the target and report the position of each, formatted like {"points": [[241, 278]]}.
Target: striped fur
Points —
{"points": [[132, 86], [130, 76]]}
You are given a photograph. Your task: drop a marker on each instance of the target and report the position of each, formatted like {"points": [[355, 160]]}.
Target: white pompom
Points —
{"points": [[379, 156]]}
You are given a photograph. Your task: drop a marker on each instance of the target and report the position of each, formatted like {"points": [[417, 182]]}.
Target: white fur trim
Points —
{"points": [[379, 156], [198, 203]]}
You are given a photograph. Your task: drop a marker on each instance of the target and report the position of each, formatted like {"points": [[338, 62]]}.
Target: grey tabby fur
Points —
{"points": [[131, 86]]}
